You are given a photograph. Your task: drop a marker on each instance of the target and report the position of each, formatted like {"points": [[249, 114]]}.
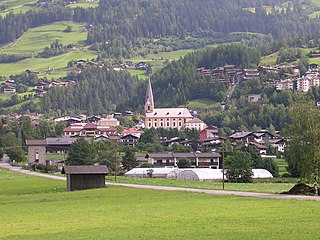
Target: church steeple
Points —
{"points": [[149, 104]]}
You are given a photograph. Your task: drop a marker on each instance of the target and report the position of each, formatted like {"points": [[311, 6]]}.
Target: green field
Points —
{"points": [[315, 2], [16, 6], [282, 164], [203, 103], [272, 58], [259, 185], [58, 63], [35, 208], [36, 39]]}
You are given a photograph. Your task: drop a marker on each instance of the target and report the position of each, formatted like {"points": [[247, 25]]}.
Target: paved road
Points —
{"points": [[163, 188]]}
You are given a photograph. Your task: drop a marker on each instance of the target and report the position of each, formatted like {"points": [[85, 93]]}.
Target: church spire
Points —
{"points": [[149, 104]]}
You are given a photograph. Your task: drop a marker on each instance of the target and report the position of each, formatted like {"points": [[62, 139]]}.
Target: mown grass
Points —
{"points": [[35, 208], [16, 6], [261, 186], [203, 103], [282, 164], [36, 39], [315, 2], [58, 63]]}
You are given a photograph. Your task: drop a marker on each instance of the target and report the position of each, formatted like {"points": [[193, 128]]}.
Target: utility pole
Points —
{"points": [[223, 165]]}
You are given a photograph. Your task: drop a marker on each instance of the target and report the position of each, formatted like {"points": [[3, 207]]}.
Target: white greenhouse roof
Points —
{"points": [[200, 174], [261, 173]]}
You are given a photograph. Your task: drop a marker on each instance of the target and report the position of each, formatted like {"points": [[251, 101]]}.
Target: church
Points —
{"points": [[168, 117]]}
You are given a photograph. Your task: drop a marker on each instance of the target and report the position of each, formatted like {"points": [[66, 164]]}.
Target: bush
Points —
{"points": [[147, 165], [184, 163], [286, 175]]}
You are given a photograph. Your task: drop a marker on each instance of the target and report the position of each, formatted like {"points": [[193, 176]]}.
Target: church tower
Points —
{"points": [[149, 104]]}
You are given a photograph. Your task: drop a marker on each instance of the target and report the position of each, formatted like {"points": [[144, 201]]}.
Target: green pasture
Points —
{"points": [[16, 6], [272, 58], [269, 59], [315, 3], [58, 63], [282, 164], [36, 39], [261, 186], [36, 208], [203, 103], [140, 73], [314, 14]]}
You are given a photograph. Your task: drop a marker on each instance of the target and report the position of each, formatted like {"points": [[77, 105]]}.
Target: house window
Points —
{"points": [[180, 124], [155, 124], [149, 124], [174, 124], [168, 124], [161, 124]]}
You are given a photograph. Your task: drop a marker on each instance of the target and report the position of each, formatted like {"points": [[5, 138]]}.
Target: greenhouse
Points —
{"points": [[194, 174], [261, 173], [156, 172], [200, 174]]}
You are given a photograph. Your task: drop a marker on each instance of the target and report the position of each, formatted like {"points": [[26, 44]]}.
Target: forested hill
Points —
{"points": [[98, 90], [124, 21], [102, 90]]}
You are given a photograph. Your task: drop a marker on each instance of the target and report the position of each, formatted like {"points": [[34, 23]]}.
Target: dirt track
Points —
{"points": [[163, 188]]}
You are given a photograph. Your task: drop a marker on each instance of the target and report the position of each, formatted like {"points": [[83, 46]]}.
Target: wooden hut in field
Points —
{"points": [[85, 177]]}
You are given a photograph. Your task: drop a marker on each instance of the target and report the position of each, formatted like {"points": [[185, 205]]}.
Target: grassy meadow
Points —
{"points": [[204, 103], [35, 40], [16, 6], [36, 208], [259, 185]]}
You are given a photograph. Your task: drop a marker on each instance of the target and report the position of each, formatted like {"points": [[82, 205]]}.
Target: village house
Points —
{"points": [[254, 98], [129, 140], [250, 74], [306, 82], [111, 122], [38, 149], [202, 160], [285, 84], [195, 123], [209, 133], [88, 130]]}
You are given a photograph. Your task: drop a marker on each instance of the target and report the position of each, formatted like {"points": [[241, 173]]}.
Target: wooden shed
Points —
{"points": [[85, 177]]}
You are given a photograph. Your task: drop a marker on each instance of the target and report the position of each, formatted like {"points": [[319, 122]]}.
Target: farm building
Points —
{"points": [[200, 174], [85, 177], [156, 172]]}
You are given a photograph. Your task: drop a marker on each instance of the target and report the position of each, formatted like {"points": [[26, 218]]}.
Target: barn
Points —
{"points": [[85, 177]]}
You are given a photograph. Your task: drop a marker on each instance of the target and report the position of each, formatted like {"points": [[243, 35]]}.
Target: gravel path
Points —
{"points": [[163, 188]]}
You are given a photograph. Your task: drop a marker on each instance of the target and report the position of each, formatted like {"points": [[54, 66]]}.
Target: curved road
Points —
{"points": [[163, 188]]}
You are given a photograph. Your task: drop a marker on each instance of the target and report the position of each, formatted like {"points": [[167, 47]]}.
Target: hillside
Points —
{"points": [[52, 37]]}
